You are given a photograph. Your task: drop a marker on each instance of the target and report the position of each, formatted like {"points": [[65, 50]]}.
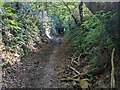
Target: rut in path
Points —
{"points": [[38, 69]]}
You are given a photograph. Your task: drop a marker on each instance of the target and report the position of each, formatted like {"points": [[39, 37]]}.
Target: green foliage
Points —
{"points": [[96, 32], [19, 27], [96, 35]]}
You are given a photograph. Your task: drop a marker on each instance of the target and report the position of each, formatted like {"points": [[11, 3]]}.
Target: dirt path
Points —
{"points": [[49, 70], [37, 70]]}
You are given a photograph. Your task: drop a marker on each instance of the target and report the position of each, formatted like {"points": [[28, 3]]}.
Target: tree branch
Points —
{"points": [[81, 12], [76, 21]]}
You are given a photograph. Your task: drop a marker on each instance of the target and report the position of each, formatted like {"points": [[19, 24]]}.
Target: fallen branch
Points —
{"points": [[76, 77], [73, 60], [112, 71], [74, 70], [80, 75], [69, 79], [79, 58], [85, 73]]}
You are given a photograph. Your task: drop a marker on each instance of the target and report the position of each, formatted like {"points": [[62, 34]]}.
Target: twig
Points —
{"points": [[74, 70], [112, 71], [83, 74], [77, 63], [78, 76], [79, 57], [69, 79], [73, 60]]}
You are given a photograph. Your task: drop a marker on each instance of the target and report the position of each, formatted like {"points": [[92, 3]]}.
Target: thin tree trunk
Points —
{"points": [[75, 19], [81, 12]]}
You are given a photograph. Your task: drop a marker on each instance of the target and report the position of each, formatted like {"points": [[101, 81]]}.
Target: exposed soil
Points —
{"points": [[45, 67], [41, 69]]}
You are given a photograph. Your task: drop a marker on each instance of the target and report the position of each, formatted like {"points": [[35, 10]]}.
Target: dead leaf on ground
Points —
{"points": [[83, 83]]}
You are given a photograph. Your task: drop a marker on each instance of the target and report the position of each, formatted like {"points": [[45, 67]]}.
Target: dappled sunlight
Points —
{"points": [[8, 57], [73, 45], [32, 48]]}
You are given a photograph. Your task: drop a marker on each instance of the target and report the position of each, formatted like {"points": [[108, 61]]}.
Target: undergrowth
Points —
{"points": [[96, 37]]}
